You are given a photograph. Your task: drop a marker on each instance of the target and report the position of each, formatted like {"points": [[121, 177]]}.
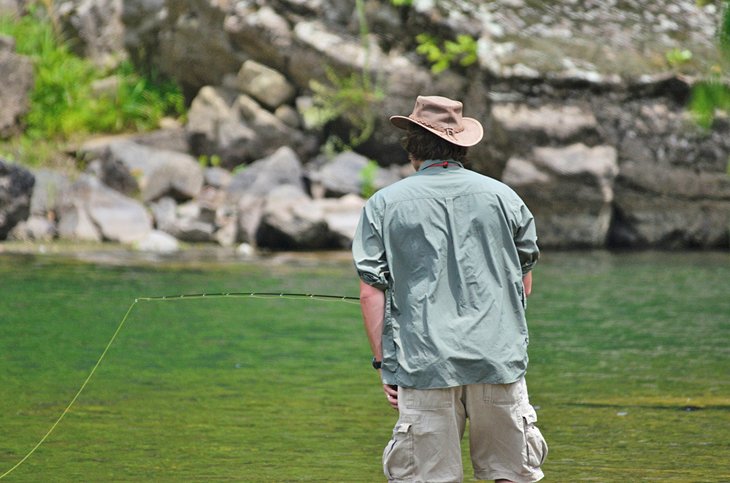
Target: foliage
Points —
{"points": [[708, 97], [402, 3], [443, 55], [355, 98], [712, 95], [677, 57], [367, 179], [66, 102]]}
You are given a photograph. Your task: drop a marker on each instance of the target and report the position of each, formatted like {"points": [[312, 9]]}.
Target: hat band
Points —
{"points": [[449, 131]]}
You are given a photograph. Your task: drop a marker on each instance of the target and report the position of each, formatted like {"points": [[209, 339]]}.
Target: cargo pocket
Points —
{"points": [[398, 457], [537, 448]]}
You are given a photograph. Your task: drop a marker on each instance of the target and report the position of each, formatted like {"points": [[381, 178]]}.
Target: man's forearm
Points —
{"points": [[372, 305]]}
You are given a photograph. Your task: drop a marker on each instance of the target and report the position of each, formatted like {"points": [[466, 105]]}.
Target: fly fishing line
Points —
{"points": [[169, 298]]}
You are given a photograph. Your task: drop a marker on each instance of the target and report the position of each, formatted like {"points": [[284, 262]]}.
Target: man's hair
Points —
{"points": [[423, 144]]}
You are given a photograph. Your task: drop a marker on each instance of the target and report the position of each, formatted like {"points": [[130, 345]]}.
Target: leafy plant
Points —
{"points": [[713, 95], [402, 3], [677, 57], [442, 55], [64, 103], [355, 98], [367, 179]]}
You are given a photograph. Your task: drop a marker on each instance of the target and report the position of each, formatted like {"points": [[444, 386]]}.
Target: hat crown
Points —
{"points": [[439, 113]]}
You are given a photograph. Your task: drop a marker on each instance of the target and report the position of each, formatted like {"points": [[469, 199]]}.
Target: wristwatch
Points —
{"points": [[377, 364]]}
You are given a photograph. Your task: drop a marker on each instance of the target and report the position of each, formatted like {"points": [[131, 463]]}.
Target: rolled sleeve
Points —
{"points": [[368, 249], [525, 238]]}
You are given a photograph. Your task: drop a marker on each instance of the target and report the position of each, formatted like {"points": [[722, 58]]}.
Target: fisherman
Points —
{"points": [[445, 259]]}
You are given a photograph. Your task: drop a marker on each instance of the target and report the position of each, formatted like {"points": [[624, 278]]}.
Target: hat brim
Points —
{"points": [[471, 135]]}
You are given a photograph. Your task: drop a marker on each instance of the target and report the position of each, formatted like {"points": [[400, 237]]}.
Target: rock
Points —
{"points": [[94, 211], [16, 190], [548, 123], [50, 189], [264, 84], [10, 8], [97, 29], [16, 77], [158, 242], [261, 177], [35, 228], [260, 32], [164, 213], [342, 216], [130, 167], [291, 221], [217, 177], [569, 191], [351, 173], [214, 127], [245, 250], [193, 45], [672, 208]]}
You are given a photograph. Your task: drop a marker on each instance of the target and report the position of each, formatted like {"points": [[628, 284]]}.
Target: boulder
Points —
{"points": [[16, 77], [93, 211], [350, 173], [264, 84], [16, 191], [130, 167], [342, 216], [261, 177], [157, 242], [260, 32], [673, 208], [49, 191], [97, 29], [569, 191], [35, 228], [292, 221]]}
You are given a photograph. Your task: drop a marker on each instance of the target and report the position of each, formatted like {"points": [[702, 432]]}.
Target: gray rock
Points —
{"points": [[351, 173], [668, 207], [16, 77], [260, 32], [96, 29], [261, 177], [342, 216], [217, 177], [158, 242], [131, 167], [569, 191], [10, 8], [264, 84], [291, 221], [16, 190], [35, 228], [548, 123], [164, 213], [50, 189], [93, 211]]}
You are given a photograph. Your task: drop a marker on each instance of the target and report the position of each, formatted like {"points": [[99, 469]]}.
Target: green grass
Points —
{"points": [[281, 390]]}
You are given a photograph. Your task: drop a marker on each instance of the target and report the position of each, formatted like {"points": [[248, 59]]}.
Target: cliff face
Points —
{"points": [[584, 116]]}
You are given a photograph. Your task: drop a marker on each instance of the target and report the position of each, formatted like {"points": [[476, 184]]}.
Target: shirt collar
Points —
{"points": [[436, 163]]}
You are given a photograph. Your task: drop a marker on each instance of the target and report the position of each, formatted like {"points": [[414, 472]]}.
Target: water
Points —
{"points": [[629, 367]]}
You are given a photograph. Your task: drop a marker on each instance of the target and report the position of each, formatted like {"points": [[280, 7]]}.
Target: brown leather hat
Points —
{"points": [[442, 116]]}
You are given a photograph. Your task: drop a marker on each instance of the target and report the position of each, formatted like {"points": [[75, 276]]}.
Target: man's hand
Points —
{"points": [[391, 393]]}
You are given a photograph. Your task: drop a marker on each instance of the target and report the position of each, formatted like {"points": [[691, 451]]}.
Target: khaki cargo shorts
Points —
{"points": [[503, 439]]}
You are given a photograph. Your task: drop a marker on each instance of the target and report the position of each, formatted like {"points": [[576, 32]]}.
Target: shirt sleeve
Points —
{"points": [[368, 249], [525, 238]]}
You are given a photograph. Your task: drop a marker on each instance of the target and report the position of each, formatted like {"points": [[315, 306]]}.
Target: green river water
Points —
{"points": [[629, 369]]}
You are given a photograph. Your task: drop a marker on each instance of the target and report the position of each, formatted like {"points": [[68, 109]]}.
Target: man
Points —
{"points": [[445, 259]]}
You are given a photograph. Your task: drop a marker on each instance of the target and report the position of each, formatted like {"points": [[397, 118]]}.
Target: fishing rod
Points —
{"points": [[169, 298]]}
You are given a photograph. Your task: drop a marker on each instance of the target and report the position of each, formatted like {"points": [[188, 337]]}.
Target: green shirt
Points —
{"points": [[450, 247]]}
